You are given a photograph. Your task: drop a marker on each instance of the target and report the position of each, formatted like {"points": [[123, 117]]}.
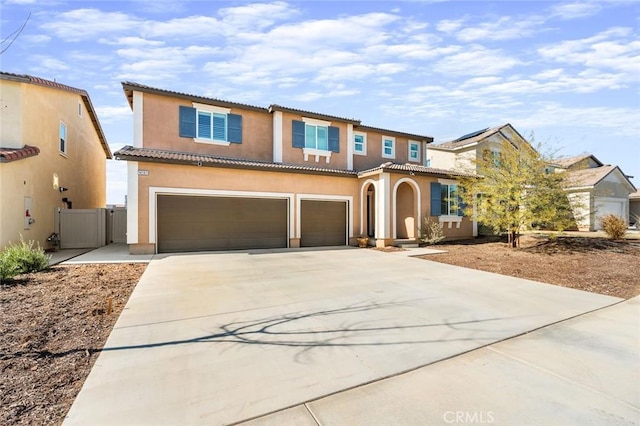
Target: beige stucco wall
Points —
{"points": [[82, 170], [441, 159], [293, 155], [10, 114], [374, 151], [219, 179], [161, 131]]}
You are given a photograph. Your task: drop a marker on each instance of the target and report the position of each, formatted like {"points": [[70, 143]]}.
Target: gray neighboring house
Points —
{"points": [[596, 189]]}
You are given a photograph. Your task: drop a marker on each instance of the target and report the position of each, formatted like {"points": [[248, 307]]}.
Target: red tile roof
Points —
{"points": [[12, 154], [164, 156]]}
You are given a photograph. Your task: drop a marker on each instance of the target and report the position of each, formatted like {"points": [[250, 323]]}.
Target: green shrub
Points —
{"points": [[431, 231], [614, 226], [22, 258]]}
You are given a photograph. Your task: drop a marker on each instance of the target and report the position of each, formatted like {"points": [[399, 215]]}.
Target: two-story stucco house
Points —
{"points": [[52, 155], [593, 188], [207, 174], [461, 153]]}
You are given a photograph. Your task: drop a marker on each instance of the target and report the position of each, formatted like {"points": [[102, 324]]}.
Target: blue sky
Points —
{"points": [[566, 72]]}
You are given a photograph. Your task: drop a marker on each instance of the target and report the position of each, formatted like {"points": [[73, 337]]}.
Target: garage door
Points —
{"points": [[187, 223], [323, 223], [608, 207]]}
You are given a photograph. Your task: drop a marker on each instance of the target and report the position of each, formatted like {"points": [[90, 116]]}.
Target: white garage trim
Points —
{"points": [[154, 191], [322, 197]]}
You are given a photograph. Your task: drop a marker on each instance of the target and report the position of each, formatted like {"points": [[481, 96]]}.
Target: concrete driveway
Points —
{"points": [[218, 338]]}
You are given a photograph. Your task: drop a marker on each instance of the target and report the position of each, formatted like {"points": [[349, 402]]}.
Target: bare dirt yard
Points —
{"points": [[54, 323], [592, 264]]}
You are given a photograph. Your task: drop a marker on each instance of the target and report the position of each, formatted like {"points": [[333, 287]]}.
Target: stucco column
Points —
{"points": [[277, 136], [349, 146], [132, 202], [383, 211]]}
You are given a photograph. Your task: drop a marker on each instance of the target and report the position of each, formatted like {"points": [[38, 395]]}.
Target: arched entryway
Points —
{"points": [[369, 210], [406, 209]]}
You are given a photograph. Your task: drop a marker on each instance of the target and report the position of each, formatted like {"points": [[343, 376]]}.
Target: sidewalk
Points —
{"points": [[112, 253]]}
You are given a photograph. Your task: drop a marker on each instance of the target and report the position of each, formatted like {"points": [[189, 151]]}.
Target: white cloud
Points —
{"points": [[35, 39], [132, 41], [477, 60], [257, 15], [449, 25], [505, 28], [83, 24], [109, 114], [617, 49], [575, 10], [619, 121], [48, 63]]}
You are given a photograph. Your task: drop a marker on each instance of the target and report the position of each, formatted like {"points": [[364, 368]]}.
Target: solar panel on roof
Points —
{"points": [[472, 134]]}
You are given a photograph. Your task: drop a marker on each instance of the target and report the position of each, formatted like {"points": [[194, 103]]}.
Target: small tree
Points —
{"points": [[514, 190]]}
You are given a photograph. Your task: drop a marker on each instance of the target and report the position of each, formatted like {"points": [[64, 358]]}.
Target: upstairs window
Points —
{"points": [[491, 156], [414, 151], [316, 135], [388, 147], [63, 138], [210, 124], [360, 143]]}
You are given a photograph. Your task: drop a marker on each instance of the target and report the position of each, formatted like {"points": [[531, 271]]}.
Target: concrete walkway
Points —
{"points": [[112, 253], [228, 337]]}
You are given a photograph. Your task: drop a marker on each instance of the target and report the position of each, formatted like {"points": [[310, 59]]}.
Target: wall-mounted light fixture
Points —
{"points": [[62, 189]]}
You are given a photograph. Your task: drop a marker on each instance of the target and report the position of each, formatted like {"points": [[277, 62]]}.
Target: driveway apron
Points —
{"points": [[217, 338]]}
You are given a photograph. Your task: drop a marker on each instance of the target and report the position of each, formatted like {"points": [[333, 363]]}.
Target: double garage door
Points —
{"points": [[199, 223]]}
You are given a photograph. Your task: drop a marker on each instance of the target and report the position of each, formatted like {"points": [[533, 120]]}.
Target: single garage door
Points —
{"points": [[604, 208], [323, 223], [188, 223]]}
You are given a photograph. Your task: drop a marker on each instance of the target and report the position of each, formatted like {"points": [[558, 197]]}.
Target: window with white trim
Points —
{"points": [[388, 147], [414, 151], [63, 138], [316, 137], [449, 200], [210, 124], [360, 143]]}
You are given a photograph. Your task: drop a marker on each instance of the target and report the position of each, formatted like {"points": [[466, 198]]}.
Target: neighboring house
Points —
{"points": [[52, 155], [460, 154], [207, 174], [634, 209], [596, 189], [593, 188]]}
